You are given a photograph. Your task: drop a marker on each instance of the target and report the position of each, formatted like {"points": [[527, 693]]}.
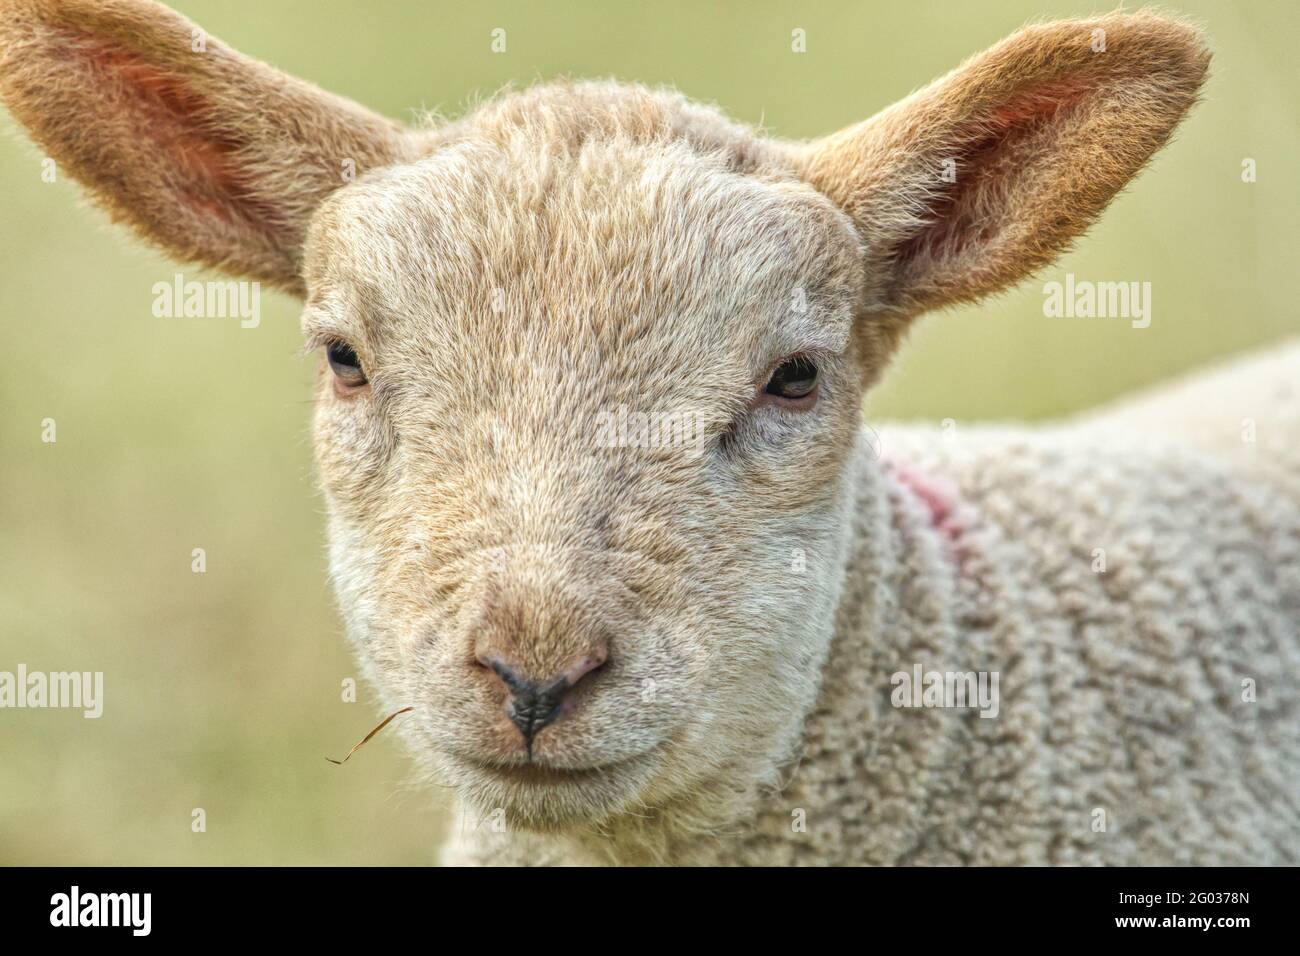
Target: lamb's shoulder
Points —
{"points": [[1140, 600], [1134, 514], [1138, 606]]}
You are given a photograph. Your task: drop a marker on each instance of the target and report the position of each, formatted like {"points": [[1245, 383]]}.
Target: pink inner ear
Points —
{"points": [[187, 133], [1033, 106], [985, 151]]}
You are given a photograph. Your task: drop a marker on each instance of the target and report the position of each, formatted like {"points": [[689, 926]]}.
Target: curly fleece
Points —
{"points": [[1121, 690]]}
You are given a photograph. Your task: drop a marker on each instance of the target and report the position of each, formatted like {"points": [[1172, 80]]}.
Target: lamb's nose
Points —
{"points": [[534, 704]]}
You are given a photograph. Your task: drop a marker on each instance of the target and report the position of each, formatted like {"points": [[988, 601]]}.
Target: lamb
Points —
{"points": [[622, 651]]}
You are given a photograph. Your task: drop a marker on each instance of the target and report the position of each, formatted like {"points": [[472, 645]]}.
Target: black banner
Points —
{"points": [[388, 905]]}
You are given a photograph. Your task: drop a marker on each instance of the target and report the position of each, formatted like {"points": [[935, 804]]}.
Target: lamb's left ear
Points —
{"points": [[988, 173]]}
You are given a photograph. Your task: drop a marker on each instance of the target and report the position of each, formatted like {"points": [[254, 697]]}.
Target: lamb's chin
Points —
{"points": [[545, 799]]}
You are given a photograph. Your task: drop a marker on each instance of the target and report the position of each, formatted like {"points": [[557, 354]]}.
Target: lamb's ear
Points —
{"points": [[987, 174], [216, 157]]}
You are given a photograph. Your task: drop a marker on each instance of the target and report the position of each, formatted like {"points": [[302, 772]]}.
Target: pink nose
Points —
{"points": [[534, 704]]}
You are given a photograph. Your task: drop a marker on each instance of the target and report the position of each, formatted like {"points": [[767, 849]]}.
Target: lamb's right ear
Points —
{"points": [[216, 157]]}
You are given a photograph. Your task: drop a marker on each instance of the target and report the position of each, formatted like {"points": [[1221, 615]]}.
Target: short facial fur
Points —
{"points": [[509, 281]]}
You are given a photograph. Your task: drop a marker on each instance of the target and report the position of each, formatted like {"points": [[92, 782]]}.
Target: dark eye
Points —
{"points": [[795, 380], [345, 364]]}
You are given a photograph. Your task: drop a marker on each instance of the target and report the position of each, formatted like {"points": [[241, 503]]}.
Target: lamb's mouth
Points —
{"points": [[540, 796], [535, 773]]}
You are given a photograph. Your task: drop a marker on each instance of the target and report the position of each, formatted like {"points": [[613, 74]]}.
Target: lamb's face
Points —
{"points": [[574, 518]]}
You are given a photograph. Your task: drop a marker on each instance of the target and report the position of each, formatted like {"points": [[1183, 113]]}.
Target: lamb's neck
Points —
{"points": [[897, 608]]}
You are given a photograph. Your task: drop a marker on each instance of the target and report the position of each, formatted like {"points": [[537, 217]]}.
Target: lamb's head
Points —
{"points": [[587, 509], [594, 357]]}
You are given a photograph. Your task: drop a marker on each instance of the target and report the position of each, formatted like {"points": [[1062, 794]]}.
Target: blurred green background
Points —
{"points": [[223, 689]]}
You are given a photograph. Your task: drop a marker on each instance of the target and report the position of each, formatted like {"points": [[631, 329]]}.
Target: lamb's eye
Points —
{"points": [[345, 364], [794, 380]]}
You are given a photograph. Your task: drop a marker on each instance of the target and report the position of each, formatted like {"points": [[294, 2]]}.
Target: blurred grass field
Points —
{"points": [[223, 689]]}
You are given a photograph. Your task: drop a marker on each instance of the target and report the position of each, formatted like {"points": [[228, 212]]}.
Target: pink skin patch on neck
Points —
{"points": [[937, 495]]}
